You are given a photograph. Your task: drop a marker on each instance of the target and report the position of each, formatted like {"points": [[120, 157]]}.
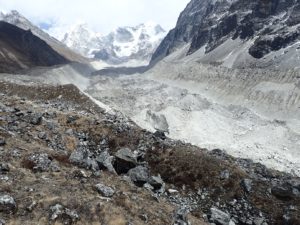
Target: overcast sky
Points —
{"points": [[101, 15]]}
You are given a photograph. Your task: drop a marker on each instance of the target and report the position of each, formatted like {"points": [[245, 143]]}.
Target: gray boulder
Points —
{"points": [[157, 183], [224, 175], [34, 119], [41, 162], [105, 160], [81, 157], [7, 204], [247, 185], [105, 191], [180, 217], [220, 217], [139, 175], [59, 212], [124, 161], [285, 192]]}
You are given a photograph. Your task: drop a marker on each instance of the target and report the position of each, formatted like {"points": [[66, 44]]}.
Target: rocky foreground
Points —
{"points": [[64, 161]]}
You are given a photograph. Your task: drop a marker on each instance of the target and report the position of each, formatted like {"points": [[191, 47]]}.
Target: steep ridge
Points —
{"points": [[15, 18], [21, 49], [237, 33]]}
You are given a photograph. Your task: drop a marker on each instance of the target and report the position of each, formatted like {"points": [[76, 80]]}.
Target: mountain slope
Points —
{"points": [[237, 33], [122, 45], [20, 21], [20, 49]]}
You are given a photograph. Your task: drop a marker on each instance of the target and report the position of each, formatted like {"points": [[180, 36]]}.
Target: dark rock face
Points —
{"points": [[211, 23], [27, 49]]}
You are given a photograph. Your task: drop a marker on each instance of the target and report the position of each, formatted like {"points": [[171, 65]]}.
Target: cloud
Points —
{"points": [[101, 15]]}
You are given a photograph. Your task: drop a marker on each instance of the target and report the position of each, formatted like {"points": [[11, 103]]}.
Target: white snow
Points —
{"points": [[124, 43]]}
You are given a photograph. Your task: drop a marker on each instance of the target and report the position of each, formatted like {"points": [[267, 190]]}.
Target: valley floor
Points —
{"points": [[194, 112]]}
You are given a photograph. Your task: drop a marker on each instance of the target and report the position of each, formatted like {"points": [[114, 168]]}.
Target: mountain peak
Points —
{"points": [[120, 45]]}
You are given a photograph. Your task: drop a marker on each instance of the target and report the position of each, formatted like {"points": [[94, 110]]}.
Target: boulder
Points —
{"points": [[160, 134], [105, 191], [220, 217], [124, 161], [157, 183], [35, 119], [105, 160], [7, 204], [224, 175], [285, 192], [139, 175], [247, 185], [41, 162], [59, 212], [81, 157], [180, 217]]}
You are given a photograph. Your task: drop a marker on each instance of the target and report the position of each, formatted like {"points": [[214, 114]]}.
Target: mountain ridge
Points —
{"points": [[21, 49], [15, 18], [121, 45], [237, 33]]}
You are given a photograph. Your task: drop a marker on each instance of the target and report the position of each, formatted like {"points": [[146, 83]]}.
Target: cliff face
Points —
{"points": [[266, 26], [21, 49]]}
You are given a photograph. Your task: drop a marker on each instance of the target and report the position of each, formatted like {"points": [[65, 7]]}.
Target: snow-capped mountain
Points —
{"points": [[82, 39], [120, 46], [15, 18], [237, 33]]}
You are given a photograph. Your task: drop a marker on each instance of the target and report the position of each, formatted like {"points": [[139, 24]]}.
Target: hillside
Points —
{"points": [[21, 49], [15, 18]]}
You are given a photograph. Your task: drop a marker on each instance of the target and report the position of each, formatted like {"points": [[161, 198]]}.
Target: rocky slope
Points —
{"points": [[64, 161], [122, 45], [237, 33], [20, 21], [20, 49]]}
